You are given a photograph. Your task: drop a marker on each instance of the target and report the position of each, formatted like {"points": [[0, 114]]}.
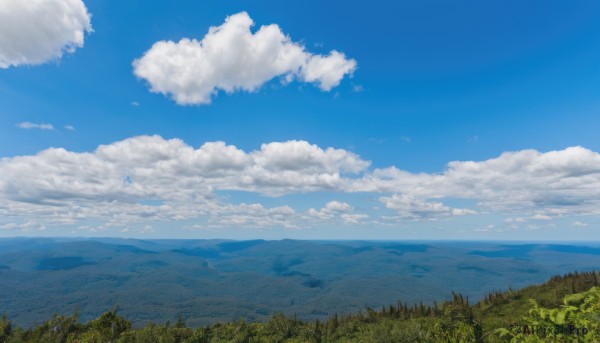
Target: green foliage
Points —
{"points": [[58, 329], [578, 320], [5, 329], [452, 321], [504, 309], [109, 325]]}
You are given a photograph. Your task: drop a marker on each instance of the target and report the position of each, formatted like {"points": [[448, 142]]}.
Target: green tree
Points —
{"points": [[5, 329], [110, 325]]}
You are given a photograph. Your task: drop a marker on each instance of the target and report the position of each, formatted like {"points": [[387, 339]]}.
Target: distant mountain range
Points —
{"points": [[210, 281]]}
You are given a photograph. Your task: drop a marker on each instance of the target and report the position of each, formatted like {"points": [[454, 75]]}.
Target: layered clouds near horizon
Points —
{"points": [[148, 178]]}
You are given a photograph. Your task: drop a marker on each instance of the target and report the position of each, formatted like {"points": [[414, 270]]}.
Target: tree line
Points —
{"points": [[564, 309]]}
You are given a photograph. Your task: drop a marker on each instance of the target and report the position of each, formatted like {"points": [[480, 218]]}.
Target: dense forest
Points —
{"points": [[216, 281], [564, 309]]}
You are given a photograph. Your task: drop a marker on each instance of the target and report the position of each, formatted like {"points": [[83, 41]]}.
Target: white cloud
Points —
{"points": [[579, 224], [69, 127], [553, 183], [28, 126], [148, 179], [254, 215], [336, 206], [232, 58], [353, 218], [330, 210], [410, 207], [113, 182], [328, 70], [35, 32], [336, 211], [23, 226], [283, 167]]}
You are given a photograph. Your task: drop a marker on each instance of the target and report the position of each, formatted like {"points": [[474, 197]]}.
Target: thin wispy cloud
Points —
{"points": [[29, 126], [357, 88]]}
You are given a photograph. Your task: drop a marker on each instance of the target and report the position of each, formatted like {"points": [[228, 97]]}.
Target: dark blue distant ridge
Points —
{"points": [[62, 263]]}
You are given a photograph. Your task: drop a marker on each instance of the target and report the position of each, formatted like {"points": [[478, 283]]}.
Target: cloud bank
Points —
{"points": [[149, 178], [232, 58], [38, 31]]}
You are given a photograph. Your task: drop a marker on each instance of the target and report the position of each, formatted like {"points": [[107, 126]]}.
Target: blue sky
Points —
{"points": [[436, 120]]}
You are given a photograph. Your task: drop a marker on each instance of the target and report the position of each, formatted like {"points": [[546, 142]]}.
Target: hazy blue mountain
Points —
{"points": [[209, 281]]}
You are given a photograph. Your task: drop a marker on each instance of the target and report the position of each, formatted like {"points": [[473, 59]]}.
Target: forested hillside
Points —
{"points": [[564, 309], [216, 281]]}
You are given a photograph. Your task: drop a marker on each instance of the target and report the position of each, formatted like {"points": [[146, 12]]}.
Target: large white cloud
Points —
{"points": [[152, 167], [297, 166], [114, 182], [231, 58], [149, 178], [555, 183], [37, 31]]}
